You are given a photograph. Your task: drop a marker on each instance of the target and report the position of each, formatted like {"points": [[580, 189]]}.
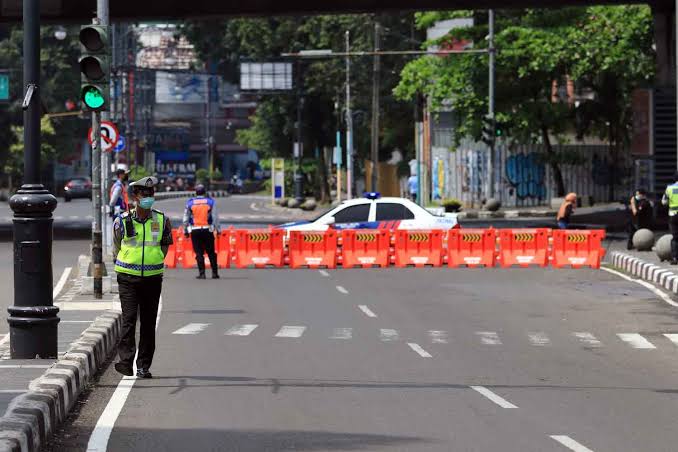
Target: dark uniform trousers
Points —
{"points": [[203, 242], [673, 228], [142, 296]]}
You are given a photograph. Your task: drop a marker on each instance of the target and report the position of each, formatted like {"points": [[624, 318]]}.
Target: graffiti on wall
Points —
{"points": [[527, 174]]}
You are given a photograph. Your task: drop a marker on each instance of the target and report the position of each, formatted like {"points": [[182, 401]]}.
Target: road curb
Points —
{"points": [[189, 194], [645, 270], [32, 418], [484, 214]]}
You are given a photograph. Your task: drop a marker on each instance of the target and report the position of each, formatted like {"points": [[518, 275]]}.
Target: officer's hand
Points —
{"points": [[186, 234], [111, 212]]}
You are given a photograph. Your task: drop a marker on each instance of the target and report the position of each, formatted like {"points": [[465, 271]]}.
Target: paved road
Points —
{"points": [[64, 254], [401, 360]]}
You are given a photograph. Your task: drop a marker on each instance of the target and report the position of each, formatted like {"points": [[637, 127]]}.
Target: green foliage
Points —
{"points": [[14, 160], [216, 175], [451, 205], [202, 176]]}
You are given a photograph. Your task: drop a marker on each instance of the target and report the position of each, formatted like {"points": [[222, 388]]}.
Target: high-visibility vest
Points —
{"points": [[672, 195], [140, 251], [123, 199], [201, 211]]}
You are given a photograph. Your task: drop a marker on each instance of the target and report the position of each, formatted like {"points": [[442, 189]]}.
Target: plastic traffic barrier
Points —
{"points": [[577, 248], [524, 247], [471, 247], [365, 248], [171, 256], [418, 248], [313, 249], [223, 248], [259, 248]]}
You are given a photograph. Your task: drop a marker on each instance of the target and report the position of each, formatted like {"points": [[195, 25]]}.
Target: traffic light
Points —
{"points": [[489, 130], [94, 68]]}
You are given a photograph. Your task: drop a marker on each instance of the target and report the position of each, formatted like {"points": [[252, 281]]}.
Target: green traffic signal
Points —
{"points": [[92, 97]]}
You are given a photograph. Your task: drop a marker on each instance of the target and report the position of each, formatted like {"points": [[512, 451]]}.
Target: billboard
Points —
{"points": [[271, 76], [184, 88]]}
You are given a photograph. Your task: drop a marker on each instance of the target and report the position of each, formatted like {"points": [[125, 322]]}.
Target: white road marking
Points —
{"points": [[539, 339], [342, 290], [253, 206], [368, 312], [324, 273], [588, 339], [388, 335], [4, 339], [98, 441], [59, 218], [489, 337], [73, 217], [570, 443], [636, 340], [438, 337], [291, 331], [88, 305], [645, 284], [192, 328], [60, 284], [502, 402], [342, 333], [25, 366], [76, 321], [672, 337], [13, 391], [241, 330], [423, 353]]}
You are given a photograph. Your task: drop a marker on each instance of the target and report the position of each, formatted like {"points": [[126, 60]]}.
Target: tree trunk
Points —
{"points": [[324, 180], [555, 167], [612, 151]]}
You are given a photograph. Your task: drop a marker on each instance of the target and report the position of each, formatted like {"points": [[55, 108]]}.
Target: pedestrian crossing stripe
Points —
{"points": [[577, 238], [366, 237], [473, 238], [259, 236], [418, 237], [523, 237], [313, 238]]}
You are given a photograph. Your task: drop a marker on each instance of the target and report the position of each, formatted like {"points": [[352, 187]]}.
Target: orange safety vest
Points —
{"points": [[200, 208]]}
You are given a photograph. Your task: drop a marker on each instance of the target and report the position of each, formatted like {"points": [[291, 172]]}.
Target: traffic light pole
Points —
{"points": [[97, 252], [33, 320]]}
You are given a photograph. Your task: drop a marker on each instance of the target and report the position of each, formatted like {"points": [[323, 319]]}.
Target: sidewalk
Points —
{"points": [[37, 394]]}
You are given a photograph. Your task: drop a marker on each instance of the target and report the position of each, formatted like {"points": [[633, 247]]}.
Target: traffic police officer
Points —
{"points": [[200, 221], [670, 198], [141, 238], [119, 200]]}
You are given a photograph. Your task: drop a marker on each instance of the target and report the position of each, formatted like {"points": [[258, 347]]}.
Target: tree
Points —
{"points": [[14, 162], [535, 48]]}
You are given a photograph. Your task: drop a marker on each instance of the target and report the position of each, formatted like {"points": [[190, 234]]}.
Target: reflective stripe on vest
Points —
{"points": [[141, 254]]}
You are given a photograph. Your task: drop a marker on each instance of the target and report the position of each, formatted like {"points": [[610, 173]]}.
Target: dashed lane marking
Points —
{"points": [[291, 331], [324, 273], [488, 337], [367, 311], [241, 330], [539, 339], [25, 366], [588, 339], [502, 402], [60, 284], [570, 443], [636, 341], [417, 348], [672, 337], [342, 333], [342, 290], [388, 335], [438, 337], [192, 328], [4, 339]]}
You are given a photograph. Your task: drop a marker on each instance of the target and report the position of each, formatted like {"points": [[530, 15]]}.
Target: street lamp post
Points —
{"points": [[298, 174], [33, 320]]}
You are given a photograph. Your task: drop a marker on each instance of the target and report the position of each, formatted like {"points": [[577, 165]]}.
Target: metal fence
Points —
{"points": [[523, 178]]}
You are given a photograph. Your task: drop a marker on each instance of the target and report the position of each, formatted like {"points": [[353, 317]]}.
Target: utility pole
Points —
{"points": [[349, 122], [490, 103], [33, 320], [106, 225], [298, 176], [337, 152], [374, 153]]}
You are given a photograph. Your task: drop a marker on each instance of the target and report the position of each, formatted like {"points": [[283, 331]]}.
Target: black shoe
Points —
{"points": [[215, 275], [629, 246], [144, 373], [124, 369], [200, 276], [674, 261]]}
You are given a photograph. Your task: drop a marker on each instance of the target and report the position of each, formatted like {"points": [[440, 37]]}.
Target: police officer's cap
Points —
{"points": [[145, 182]]}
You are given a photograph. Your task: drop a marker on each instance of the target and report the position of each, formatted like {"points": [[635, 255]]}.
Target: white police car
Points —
{"points": [[375, 212]]}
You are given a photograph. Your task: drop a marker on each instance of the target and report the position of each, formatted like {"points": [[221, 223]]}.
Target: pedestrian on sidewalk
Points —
{"points": [[565, 211], [670, 198], [141, 238], [642, 215], [201, 220], [413, 187]]}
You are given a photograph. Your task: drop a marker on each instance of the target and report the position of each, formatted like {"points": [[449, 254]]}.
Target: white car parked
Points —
{"points": [[374, 212]]}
